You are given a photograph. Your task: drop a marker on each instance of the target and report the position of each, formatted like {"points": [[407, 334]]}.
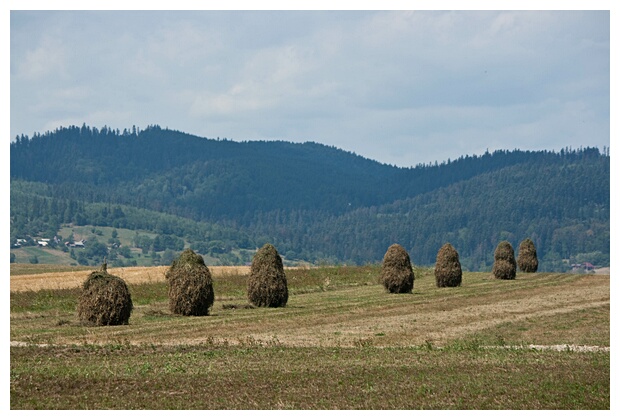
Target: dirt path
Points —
{"points": [[558, 347]]}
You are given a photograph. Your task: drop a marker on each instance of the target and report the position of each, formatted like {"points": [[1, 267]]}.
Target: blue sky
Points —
{"points": [[400, 87]]}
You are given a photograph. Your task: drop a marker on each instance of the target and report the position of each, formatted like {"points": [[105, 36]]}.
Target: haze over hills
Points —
{"points": [[313, 202]]}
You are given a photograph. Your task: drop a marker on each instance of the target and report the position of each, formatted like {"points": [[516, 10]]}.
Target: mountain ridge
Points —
{"points": [[304, 196]]}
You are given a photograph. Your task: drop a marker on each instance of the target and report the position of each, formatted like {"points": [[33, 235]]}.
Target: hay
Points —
{"points": [[190, 287], [448, 272], [505, 265], [396, 272], [267, 282], [503, 270], [527, 259], [105, 300]]}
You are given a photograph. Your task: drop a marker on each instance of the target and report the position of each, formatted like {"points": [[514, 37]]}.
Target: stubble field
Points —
{"points": [[538, 342]]}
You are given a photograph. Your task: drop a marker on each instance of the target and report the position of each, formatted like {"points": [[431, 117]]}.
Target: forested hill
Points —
{"points": [[209, 179], [316, 202]]}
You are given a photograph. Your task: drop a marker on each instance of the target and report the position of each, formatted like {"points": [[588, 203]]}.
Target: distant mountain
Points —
{"points": [[313, 202]]}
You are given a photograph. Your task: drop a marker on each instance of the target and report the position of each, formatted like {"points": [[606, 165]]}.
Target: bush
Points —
{"points": [[448, 272], [505, 266], [267, 283], [396, 272], [527, 259], [105, 300], [190, 287]]}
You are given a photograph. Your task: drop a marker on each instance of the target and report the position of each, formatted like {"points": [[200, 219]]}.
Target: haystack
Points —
{"points": [[527, 259], [267, 283], [448, 271], [505, 265], [190, 287], [105, 300], [504, 270], [396, 272]]}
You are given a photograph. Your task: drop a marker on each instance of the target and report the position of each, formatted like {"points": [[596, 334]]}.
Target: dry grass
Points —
{"points": [[190, 286], [527, 259], [448, 272], [131, 275], [505, 265], [396, 271], [340, 343], [105, 300], [352, 309], [267, 282]]}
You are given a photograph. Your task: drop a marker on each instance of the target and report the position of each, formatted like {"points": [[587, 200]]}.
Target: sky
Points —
{"points": [[399, 87]]}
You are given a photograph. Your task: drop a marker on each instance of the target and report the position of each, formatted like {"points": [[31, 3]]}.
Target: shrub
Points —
{"points": [[190, 287], [267, 282], [527, 259], [396, 272], [448, 271], [105, 300], [505, 266]]}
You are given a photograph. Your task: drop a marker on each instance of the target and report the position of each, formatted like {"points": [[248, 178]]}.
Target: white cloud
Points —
{"points": [[400, 87], [46, 59]]}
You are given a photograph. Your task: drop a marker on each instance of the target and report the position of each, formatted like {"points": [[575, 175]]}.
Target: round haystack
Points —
{"points": [[505, 265], [190, 287], [448, 271], [396, 272], [105, 300], [527, 259], [267, 283]]}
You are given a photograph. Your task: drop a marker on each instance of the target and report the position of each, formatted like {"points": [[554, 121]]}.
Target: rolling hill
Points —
{"points": [[313, 202]]}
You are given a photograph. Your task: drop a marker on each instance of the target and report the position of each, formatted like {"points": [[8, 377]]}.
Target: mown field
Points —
{"points": [[340, 343]]}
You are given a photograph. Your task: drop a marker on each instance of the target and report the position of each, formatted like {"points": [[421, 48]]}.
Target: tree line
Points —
{"points": [[317, 203]]}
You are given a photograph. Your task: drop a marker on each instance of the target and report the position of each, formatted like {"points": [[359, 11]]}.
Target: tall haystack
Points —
{"points": [[527, 259], [448, 271], [190, 287], [396, 272], [105, 300], [267, 283], [505, 265]]}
